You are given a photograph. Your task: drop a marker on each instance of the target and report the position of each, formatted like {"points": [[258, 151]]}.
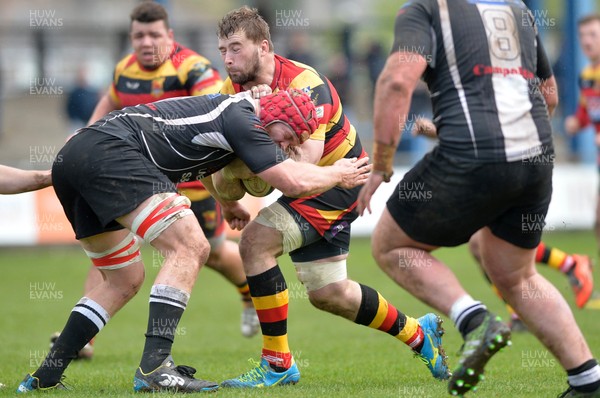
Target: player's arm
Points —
{"points": [[576, 122], [109, 101], [548, 86], [549, 91], [393, 93], [104, 106], [14, 180], [310, 151], [300, 179], [424, 127]]}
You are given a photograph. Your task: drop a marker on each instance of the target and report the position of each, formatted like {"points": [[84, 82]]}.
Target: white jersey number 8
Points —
{"points": [[503, 36]]}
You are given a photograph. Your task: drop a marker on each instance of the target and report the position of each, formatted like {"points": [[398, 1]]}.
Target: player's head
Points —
{"points": [[589, 36], [244, 39], [293, 108], [151, 37]]}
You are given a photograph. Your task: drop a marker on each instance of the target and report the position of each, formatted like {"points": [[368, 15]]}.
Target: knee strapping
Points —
{"points": [[162, 211], [314, 275], [277, 217], [123, 254]]}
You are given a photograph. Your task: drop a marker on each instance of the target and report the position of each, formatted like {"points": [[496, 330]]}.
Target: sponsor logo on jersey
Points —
{"points": [[320, 111], [132, 85], [482, 70]]}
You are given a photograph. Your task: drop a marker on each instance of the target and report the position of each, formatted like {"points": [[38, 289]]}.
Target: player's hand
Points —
{"points": [[236, 215], [260, 90], [424, 127], [367, 191], [354, 172], [572, 125]]}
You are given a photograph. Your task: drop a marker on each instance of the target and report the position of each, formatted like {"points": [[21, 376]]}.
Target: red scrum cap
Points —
{"points": [[292, 107]]}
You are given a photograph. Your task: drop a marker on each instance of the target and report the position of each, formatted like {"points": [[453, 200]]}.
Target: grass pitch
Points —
{"points": [[337, 358]]}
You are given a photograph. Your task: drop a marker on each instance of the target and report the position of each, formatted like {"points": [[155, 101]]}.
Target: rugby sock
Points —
{"points": [[554, 258], [270, 297], [586, 377], [166, 308], [244, 291], [375, 312], [86, 320], [467, 314]]}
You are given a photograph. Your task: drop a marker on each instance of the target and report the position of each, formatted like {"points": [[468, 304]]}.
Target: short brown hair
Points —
{"points": [[248, 20], [586, 19], [150, 11]]}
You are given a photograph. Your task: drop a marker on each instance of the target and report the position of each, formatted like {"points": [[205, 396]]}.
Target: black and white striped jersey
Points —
{"points": [[485, 61], [189, 138]]}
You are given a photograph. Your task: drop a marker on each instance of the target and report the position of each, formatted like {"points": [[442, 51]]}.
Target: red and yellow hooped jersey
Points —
{"points": [[330, 212], [184, 73], [334, 127], [588, 110]]}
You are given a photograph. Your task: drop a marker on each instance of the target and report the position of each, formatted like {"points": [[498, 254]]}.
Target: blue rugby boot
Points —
{"points": [[263, 376], [31, 383], [432, 353]]}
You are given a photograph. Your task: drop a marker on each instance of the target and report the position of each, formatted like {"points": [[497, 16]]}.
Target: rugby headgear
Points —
{"points": [[292, 107]]}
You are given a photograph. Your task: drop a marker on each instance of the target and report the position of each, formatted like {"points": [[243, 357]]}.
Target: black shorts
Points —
{"points": [[442, 201], [98, 178], [315, 246], [324, 219]]}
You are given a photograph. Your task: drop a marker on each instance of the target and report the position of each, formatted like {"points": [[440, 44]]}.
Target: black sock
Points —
{"points": [[85, 321], [471, 321], [166, 308], [585, 377]]}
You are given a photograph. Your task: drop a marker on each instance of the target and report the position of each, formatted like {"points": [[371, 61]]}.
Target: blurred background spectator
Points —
{"points": [[348, 39], [81, 101]]}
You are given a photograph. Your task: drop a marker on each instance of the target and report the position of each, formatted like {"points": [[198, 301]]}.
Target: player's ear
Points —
{"points": [[264, 46], [171, 34]]}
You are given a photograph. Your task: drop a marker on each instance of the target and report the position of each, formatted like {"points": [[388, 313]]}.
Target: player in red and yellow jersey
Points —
{"points": [[160, 68], [588, 110], [314, 230]]}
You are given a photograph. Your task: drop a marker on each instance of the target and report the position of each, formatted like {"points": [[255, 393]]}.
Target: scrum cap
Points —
{"points": [[292, 107]]}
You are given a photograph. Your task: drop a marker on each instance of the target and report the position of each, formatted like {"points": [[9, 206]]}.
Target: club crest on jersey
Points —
{"points": [[210, 219], [158, 87]]}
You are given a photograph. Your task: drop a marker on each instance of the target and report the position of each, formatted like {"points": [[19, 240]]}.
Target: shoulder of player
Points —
{"points": [[184, 58], [227, 87], [590, 72], [124, 63], [299, 76], [292, 69]]}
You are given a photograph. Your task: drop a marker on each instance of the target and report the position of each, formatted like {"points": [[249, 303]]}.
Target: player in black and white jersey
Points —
{"points": [[492, 92], [116, 182]]}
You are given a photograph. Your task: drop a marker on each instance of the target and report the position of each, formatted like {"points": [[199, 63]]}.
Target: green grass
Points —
{"points": [[336, 357]]}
